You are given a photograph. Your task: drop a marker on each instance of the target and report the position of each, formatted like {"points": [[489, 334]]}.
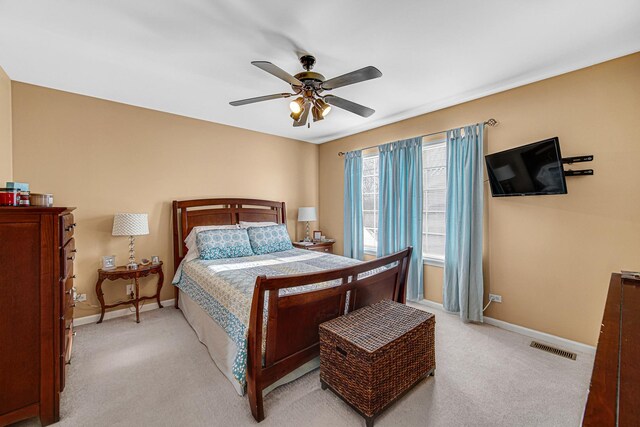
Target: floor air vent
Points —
{"points": [[553, 350]]}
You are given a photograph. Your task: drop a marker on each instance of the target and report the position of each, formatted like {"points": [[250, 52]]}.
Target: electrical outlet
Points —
{"points": [[81, 297], [495, 298], [130, 290]]}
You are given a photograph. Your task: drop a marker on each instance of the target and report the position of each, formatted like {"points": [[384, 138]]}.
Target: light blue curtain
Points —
{"points": [[463, 282], [400, 208], [353, 231]]}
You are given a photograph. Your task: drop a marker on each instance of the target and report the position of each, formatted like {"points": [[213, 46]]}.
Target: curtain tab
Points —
{"points": [[352, 154]]}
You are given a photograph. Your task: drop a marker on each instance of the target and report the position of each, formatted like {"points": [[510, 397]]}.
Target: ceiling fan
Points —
{"points": [[309, 88]]}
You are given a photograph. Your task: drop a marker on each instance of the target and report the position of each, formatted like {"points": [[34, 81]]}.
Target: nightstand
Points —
{"points": [[315, 246], [124, 273]]}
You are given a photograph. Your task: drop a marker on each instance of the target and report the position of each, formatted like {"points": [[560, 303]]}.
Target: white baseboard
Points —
{"points": [[120, 313], [564, 343]]}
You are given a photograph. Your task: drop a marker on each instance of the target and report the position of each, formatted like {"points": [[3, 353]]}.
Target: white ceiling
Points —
{"points": [[191, 57]]}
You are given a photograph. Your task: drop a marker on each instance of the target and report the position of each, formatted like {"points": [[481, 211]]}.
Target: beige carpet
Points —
{"points": [[157, 373]]}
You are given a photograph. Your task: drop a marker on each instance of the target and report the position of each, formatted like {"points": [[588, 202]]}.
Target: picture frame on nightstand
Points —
{"points": [[317, 235], [109, 262]]}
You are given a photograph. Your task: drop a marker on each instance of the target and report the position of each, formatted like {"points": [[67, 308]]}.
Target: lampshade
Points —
{"points": [[130, 224], [307, 214]]}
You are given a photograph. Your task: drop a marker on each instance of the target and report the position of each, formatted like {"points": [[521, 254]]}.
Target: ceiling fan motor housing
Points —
{"points": [[310, 79], [307, 61]]}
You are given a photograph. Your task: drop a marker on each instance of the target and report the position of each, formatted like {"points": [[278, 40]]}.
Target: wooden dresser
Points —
{"points": [[37, 251], [614, 394]]}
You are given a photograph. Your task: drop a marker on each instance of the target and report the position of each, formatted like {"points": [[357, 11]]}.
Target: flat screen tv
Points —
{"points": [[529, 170]]}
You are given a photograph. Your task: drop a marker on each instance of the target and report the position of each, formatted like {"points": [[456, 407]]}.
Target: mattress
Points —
{"points": [[223, 290]]}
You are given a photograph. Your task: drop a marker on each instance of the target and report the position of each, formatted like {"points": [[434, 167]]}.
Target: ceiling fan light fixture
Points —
{"points": [[317, 114], [296, 116], [296, 106], [323, 107]]}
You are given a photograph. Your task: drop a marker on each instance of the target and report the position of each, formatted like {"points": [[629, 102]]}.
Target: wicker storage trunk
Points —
{"points": [[374, 355]]}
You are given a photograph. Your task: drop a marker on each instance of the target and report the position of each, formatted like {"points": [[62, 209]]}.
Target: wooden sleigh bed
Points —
{"points": [[292, 337]]}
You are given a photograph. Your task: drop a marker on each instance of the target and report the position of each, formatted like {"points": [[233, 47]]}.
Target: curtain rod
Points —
{"points": [[490, 122]]}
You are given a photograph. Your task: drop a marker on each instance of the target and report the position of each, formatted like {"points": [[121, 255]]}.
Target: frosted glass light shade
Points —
{"points": [[130, 224], [307, 214]]}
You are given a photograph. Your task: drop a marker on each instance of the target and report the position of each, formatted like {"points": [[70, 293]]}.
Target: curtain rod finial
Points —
{"points": [[491, 122]]}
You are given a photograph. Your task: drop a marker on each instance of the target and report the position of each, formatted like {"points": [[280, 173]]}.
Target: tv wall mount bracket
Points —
{"points": [[577, 159]]}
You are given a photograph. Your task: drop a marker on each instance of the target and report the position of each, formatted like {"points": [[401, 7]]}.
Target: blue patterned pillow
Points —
{"points": [[265, 240], [217, 244]]}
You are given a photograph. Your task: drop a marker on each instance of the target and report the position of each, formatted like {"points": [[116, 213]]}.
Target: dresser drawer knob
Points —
{"points": [[70, 227], [71, 258], [74, 251], [73, 277]]}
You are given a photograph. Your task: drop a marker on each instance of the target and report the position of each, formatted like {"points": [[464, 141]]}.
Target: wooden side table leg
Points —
{"points": [[136, 302], [160, 283], [100, 297]]}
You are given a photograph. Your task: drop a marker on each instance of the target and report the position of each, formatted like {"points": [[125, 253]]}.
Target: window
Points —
{"points": [[434, 181], [434, 187], [370, 201]]}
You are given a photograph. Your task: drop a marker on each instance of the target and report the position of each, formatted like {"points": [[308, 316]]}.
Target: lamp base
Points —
{"points": [[307, 238], [132, 257]]}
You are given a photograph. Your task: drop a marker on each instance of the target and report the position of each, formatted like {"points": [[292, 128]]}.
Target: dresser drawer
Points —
{"points": [[68, 225], [68, 257], [68, 340], [65, 357], [69, 304], [68, 281]]}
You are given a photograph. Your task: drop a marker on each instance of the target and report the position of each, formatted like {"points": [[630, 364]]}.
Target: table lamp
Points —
{"points": [[130, 224], [307, 214]]}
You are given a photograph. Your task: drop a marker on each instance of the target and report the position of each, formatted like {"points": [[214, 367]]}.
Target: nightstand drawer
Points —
{"points": [[321, 249], [326, 247]]}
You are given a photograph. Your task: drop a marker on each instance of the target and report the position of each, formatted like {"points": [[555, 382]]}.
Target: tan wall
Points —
{"points": [[549, 257], [6, 172], [105, 157]]}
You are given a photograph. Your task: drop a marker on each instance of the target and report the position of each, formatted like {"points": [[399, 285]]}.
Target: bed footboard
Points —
{"points": [[292, 336]]}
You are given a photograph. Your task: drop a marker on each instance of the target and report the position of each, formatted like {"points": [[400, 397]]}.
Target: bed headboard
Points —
{"points": [[191, 213]]}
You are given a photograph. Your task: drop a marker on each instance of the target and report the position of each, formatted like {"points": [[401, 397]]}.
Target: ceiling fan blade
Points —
{"points": [[361, 75], [358, 109], [303, 118], [277, 71], [260, 99]]}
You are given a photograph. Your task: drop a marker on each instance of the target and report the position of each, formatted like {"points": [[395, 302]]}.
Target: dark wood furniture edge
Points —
{"points": [[601, 403], [282, 354], [30, 411]]}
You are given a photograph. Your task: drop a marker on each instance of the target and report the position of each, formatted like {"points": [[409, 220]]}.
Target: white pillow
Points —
{"points": [[190, 241], [246, 224]]}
